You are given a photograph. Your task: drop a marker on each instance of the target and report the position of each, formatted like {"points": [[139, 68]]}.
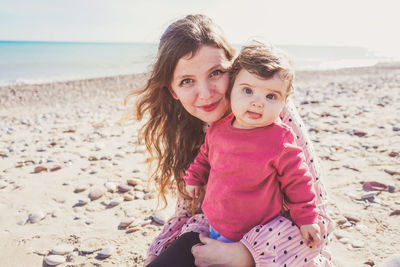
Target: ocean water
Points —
{"points": [[24, 62]]}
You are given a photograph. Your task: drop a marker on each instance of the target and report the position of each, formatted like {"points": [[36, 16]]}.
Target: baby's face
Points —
{"points": [[255, 101]]}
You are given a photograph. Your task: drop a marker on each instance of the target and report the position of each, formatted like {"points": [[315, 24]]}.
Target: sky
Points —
{"points": [[366, 23]]}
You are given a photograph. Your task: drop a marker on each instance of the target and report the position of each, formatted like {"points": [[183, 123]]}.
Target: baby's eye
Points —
{"points": [[248, 91], [185, 81], [216, 73], [271, 96]]}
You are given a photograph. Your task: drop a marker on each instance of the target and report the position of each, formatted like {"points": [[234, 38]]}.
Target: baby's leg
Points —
{"points": [[178, 254]]}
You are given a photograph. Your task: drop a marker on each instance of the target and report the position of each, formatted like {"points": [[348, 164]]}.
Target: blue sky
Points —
{"points": [[317, 22]]}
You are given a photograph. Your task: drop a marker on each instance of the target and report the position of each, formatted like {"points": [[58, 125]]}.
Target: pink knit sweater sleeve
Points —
{"points": [[296, 182], [197, 173]]}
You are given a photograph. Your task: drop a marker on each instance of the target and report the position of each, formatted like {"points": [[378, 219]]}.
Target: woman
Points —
{"points": [[185, 92]]}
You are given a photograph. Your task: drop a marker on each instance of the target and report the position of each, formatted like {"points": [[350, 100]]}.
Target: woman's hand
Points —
{"points": [[213, 252], [149, 259]]}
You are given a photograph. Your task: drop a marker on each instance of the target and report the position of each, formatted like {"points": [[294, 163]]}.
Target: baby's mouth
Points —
{"points": [[253, 115]]}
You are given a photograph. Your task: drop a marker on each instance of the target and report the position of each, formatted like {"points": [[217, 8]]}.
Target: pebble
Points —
{"points": [[126, 222], [344, 240], [80, 188], [159, 218], [40, 169], [2, 184], [111, 187], [62, 249], [83, 201], [396, 129], [357, 244], [128, 197], [139, 195], [106, 252], [124, 188], [132, 182], [53, 260], [36, 217], [340, 233], [116, 201], [55, 168], [96, 193], [351, 217]]}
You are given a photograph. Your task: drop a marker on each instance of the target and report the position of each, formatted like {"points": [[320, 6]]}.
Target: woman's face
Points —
{"points": [[200, 82]]}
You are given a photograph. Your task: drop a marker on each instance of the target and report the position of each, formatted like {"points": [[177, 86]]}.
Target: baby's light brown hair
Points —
{"points": [[263, 60]]}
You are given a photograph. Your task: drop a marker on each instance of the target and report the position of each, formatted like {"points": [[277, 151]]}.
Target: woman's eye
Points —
{"points": [[185, 81], [248, 91], [271, 96], [216, 73]]}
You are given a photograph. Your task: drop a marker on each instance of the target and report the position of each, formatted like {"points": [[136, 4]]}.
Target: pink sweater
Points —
{"points": [[248, 173], [255, 240]]}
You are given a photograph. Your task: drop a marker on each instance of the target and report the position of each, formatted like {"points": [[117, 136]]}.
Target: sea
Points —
{"points": [[32, 62]]}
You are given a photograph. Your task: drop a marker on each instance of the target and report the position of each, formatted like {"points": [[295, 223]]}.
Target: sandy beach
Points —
{"points": [[73, 174]]}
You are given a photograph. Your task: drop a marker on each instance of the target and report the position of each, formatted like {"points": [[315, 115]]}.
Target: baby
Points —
{"points": [[250, 161]]}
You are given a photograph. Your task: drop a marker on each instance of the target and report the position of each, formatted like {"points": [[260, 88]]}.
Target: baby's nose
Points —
{"points": [[257, 104]]}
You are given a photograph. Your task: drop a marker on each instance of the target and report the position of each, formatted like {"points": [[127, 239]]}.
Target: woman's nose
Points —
{"points": [[205, 90]]}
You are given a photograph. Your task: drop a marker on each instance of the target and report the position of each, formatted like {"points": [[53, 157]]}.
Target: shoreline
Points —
{"points": [[73, 130]]}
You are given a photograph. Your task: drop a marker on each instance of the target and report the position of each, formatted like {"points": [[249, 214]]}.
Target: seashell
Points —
{"points": [[111, 187], [116, 201], [106, 252], [62, 249], [96, 193], [53, 260], [36, 217]]}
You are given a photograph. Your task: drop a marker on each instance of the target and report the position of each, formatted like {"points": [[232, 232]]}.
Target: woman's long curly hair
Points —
{"points": [[173, 136]]}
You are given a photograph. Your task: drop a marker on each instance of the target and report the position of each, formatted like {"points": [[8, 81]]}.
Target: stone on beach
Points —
{"points": [[126, 222], [80, 188], [124, 188], [97, 193], [106, 252], [116, 201], [62, 249], [3, 184], [111, 187], [39, 169], [53, 260], [36, 217]]}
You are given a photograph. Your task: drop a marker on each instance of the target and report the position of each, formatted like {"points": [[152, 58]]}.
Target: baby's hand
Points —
{"points": [[311, 233], [193, 190]]}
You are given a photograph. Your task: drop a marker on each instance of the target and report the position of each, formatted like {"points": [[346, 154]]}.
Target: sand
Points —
{"points": [[73, 130]]}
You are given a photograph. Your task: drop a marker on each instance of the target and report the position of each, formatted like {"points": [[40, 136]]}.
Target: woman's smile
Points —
{"points": [[210, 107]]}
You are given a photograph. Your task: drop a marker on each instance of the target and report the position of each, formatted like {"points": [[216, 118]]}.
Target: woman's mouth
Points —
{"points": [[210, 107]]}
